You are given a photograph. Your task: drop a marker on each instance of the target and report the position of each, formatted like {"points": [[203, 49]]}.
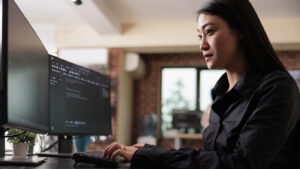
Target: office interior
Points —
{"points": [[139, 39]]}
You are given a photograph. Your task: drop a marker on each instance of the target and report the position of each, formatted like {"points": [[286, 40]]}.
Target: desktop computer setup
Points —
{"points": [[43, 93]]}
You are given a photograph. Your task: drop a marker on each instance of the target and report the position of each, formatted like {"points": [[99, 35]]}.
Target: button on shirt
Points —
{"points": [[253, 126]]}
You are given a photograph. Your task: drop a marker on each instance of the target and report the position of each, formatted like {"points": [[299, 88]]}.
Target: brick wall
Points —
{"points": [[147, 90]]}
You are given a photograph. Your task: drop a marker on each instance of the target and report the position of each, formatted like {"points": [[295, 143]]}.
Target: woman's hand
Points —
{"points": [[138, 146], [115, 149]]}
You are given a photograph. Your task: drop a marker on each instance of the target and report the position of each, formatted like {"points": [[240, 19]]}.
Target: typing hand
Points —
{"points": [[114, 149], [138, 146]]}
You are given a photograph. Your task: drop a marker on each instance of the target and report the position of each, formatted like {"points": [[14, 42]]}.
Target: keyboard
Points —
{"points": [[96, 158]]}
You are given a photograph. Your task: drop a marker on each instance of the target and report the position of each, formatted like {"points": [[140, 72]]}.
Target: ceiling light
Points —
{"points": [[77, 2]]}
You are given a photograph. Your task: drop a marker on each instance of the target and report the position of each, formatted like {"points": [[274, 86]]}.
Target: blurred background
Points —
{"points": [[150, 49]]}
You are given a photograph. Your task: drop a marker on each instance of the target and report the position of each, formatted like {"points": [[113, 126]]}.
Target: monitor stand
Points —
{"points": [[65, 144], [65, 148]]}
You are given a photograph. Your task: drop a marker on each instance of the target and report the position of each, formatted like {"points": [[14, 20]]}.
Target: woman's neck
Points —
{"points": [[233, 77], [235, 71]]}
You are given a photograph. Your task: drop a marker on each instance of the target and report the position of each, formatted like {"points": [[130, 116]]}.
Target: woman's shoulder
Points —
{"points": [[278, 80], [278, 76]]}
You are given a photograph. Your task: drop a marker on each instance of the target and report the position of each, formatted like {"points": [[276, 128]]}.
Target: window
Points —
{"points": [[179, 88], [178, 92], [208, 79]]}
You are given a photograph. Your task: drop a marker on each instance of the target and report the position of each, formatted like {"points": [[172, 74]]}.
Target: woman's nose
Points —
{"points": [[204, 45]]}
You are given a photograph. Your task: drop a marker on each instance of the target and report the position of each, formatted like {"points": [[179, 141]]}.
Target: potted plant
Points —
{"points": [[21, 142]]}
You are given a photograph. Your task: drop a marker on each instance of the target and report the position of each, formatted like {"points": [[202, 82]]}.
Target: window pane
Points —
{"points": [[208, 79], [178, 92]]}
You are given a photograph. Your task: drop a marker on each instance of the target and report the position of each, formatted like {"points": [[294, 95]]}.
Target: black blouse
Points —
{"points": [[253, 126]]}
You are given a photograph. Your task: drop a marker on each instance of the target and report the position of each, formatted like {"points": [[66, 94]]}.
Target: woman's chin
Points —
{"points": [[210, 66]]}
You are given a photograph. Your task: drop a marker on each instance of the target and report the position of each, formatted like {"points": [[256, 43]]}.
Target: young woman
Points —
{"points": [[254, 119]]}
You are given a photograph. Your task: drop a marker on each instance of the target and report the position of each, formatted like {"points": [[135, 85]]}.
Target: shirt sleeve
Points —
{"points": [[150, 146], [265, 132]]}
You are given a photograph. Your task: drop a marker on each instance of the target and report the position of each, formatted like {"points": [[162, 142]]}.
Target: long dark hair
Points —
{"points": [[241, 16]]}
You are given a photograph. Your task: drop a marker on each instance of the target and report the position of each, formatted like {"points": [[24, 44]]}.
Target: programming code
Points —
{"points": [[79, 99]]}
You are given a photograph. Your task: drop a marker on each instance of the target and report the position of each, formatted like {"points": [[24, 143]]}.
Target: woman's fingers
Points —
{"points": [[118, 152], [139, 145], [126, 152], [108, 150], [115, 149], [112, 149]]}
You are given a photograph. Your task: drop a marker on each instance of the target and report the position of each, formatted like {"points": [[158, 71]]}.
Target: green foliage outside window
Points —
{"points": [[176, 101]]}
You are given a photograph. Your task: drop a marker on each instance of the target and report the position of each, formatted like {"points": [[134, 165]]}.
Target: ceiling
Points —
{"points": [[141, 11], [109, 17]]}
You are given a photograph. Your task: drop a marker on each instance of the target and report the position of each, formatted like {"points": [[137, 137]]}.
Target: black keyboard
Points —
{"points": [[96, 158]]}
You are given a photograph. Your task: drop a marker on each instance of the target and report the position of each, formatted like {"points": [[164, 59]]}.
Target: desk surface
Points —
{"points": [[188, 136], [180, 136], [57, 163]]}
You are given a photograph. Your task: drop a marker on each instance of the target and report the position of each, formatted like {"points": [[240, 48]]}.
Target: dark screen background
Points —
{"points": [[27, 75], [79, 100]]}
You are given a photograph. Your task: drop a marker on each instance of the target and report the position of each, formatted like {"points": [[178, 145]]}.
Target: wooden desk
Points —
{"points": [[57, 163], [180, 136]]}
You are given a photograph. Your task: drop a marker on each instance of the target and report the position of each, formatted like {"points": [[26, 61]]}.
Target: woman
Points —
{"points": [[254, 119]]}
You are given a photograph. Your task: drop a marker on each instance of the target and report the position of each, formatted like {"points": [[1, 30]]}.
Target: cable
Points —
{"points": [[14, 135], [50, 146], [56, 142]]}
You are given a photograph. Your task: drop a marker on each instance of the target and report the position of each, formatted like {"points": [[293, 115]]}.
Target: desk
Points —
{"points": [[57, 163], [180, 136]]}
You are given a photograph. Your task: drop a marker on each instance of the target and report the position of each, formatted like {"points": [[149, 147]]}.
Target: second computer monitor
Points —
{"points": [[79, 100], [24, 91]]}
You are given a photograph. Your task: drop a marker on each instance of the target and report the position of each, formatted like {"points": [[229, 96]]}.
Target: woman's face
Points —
{"points": [[219, 43]]}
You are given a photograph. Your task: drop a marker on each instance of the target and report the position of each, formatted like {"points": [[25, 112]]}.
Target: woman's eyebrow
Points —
{"points": [[207, 24]]}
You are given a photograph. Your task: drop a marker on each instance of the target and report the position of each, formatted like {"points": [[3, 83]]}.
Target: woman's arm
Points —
{"points": [[261, 139]]}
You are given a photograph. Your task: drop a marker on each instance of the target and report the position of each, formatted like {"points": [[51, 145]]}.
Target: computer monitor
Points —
{"points": [[79, 100], [186, 119], [24, 92], [61, 98], [24, 73]]}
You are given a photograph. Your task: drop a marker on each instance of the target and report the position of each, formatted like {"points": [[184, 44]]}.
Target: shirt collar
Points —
{"points": [[244, 86]]}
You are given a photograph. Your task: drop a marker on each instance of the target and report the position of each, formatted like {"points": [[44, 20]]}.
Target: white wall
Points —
{"points": [[171, 36]]}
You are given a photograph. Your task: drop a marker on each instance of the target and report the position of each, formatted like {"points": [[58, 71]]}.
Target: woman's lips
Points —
{"points": [[207, 56]]}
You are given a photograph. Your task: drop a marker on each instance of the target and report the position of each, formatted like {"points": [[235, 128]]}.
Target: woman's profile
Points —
{"points": [[254, 119]]}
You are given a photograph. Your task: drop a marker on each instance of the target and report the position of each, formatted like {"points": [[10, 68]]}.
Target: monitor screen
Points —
{"points": [[79, 100], [24, 73], [185, 119]]}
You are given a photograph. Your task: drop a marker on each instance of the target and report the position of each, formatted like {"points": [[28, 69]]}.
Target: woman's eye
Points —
{"points": [[200, 37], [209, 31]]}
